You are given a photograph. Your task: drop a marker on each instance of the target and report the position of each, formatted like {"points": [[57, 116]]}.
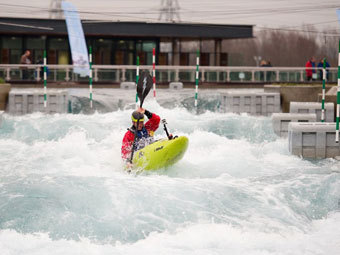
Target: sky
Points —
{"points": [[264, 14]]}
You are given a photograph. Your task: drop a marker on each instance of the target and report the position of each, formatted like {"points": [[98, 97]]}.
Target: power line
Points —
{"points": [[170, 10], [245, 12]]}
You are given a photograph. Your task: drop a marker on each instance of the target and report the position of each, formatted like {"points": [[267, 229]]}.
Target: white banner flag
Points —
{"points": [[76, 38]]}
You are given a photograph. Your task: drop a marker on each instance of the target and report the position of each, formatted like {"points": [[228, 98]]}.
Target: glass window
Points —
{"points": [[4, 56], [121, 45], [139, 46], [11, 49], [148, 46], [149, 58], [58, 44], [102, 51], [102, 44], [11, 42], [63, 57], [189, 46], [208, 46], [38, 56], [35, 43], [119, 58], [224, 59], [165, 46], [131, 45], [15, 56], [184, 59], [204, 59], [163, 59], [130, 58]]}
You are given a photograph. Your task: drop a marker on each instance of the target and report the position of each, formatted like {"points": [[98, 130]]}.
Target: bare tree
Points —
{"points": [[283, 48]]}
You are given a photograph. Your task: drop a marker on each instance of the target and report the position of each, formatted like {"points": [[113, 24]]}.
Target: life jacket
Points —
{"points": [[143, 138]]}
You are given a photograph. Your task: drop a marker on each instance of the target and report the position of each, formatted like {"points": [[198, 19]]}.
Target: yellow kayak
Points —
{"points": [[161, 153]]}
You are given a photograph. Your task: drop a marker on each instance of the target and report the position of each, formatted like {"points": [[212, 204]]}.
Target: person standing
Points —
{"points": [[25, 60], [310, 69]]}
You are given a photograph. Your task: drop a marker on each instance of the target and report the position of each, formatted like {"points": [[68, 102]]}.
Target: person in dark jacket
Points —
{"points": [[320, 67], [144, 134]]}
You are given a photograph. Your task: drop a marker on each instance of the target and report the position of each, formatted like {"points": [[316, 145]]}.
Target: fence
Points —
{"points": [[120, 73]]}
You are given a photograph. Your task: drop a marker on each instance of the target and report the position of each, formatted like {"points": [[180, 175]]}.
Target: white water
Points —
{"points": [[237, 190]]}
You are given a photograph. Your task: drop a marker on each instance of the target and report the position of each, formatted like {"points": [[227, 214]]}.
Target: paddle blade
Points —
{"points": [[143, 87]]}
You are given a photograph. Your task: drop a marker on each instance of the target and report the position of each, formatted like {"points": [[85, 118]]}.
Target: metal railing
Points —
{"points": [[120, 73]]}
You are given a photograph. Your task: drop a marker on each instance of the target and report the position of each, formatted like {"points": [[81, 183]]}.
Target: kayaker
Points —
{"points": [[144, 134]]}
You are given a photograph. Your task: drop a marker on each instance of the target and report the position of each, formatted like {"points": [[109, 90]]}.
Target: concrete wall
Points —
{"points": [[128, 85], [313, 140], [4, 91], [23, 101], [176, 85], [253, 103], [296, 93], [281, 121], [312, 107]]}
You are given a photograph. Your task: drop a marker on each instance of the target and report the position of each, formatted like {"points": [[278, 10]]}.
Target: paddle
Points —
{"points": [[166, 129], [143, 87]]}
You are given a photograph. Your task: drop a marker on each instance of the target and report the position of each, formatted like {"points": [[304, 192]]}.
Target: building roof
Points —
{"points": [[30, 26]]}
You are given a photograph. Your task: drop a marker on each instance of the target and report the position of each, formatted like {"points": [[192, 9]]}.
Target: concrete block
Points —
{"points": [[313, 140], [176, 85], [281, 121], [1, 113], [313, 107], [4, 91], [128, 85], [24, 101], [254, 103]]}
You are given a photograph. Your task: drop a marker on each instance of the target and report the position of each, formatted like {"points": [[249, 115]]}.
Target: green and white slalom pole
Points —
{"points": [[90, 76], [323, 91], [197, 76], [338, 101], [154, 71], [45, 79], [137, 78]]}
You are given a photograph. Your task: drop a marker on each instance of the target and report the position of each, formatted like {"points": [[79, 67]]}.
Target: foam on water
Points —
{"points": [[237, 190]]}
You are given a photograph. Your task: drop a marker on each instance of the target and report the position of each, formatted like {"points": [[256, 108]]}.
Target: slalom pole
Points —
{"points": [[338, 101], [154, 71], [197, 76], [45, 80], [137, 79], [323, 91], [90, 76]]}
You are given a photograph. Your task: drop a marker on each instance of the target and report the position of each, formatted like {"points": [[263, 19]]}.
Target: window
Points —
{"points": [[11, 50], [58, 52], [102, 51]]}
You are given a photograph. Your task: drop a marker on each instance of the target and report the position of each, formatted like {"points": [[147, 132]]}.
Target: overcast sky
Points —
{"points": [[291, 14]]}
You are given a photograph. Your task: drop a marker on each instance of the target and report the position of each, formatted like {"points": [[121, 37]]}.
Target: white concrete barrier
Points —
{"points": [[280, 121], [1, 113], [128, 85], [176, 85], [313, 140], [23, 101], [313, 107], [254, 103]]}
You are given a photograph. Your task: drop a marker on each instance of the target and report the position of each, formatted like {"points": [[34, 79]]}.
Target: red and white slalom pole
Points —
{"points": [[154, 71]]}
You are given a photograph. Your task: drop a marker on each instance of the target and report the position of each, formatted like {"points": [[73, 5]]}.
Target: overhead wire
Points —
{"points": [[249, 12]]}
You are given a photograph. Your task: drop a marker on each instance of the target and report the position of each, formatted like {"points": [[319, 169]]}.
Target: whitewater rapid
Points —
{"points": [[237, 190]]}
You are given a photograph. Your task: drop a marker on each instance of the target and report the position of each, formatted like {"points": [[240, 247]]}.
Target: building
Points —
{"points": [[119, 43]]}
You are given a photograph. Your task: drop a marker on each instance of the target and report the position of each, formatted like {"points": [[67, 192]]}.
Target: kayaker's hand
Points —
{"points": [[141, 110], [128, 166], [171, 136]]}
